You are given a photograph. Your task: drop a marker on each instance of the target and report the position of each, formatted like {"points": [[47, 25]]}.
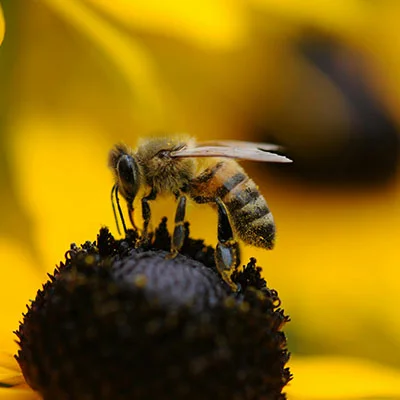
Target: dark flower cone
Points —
{"points": [[118, 320]]}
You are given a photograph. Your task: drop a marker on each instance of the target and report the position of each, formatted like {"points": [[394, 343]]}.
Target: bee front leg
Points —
{"points": [[178, 236], [130, 213], [115, 196], [146, 213], [227, 255]]}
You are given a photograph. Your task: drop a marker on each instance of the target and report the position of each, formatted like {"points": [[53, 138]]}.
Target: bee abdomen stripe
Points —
{"points": [[252, 211], [239, 198], [209, 173], [229, 184], [263, 220]]}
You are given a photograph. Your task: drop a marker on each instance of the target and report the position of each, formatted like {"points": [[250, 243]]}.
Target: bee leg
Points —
{"points": [[114, 195], [130, 212], [179, 231], [227, 255], [146, 213]]}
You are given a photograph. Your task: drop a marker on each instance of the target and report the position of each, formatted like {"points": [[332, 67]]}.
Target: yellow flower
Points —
{"points": [[112, 72]]}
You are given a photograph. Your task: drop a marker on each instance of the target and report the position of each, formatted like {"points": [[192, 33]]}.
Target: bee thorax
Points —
{"points": [[168, 176]]}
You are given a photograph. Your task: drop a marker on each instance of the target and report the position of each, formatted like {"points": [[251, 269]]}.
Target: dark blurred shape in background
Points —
{"points": [[357, 144]]}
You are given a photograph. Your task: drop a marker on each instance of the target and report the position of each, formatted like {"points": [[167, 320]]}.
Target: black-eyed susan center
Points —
{"points": [[120, 321]]}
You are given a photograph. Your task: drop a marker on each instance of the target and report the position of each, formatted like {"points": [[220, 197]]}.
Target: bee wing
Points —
{"points": [[240, 153], [241, 144]]}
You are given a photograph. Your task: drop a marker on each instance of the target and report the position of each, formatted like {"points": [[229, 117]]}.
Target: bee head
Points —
{"points": [[126, 172]]}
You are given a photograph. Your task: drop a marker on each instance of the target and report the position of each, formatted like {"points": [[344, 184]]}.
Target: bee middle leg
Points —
{"points": [[178, 236], [227, 253], [146, 213]]}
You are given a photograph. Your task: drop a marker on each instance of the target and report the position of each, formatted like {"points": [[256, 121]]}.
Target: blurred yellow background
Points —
{"points": [[320, 77]]}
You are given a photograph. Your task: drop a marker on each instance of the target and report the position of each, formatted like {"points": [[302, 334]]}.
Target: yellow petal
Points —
{"points": [[335, 267], [10, 376], [8, 365], [2, 25], [18, 394], [209, 23], [339, 17], [13, 381], [68, 190], [129, 55], [381, 47], [341, 378], [19, 282]]}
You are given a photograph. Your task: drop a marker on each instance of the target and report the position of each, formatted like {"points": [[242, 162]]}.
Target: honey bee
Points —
{"points": [[205, 173]]}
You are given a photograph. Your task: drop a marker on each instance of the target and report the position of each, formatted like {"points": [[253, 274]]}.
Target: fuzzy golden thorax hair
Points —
{"points": [[164, 174]]}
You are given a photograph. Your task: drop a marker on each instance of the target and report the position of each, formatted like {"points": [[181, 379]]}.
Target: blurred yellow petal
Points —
{"points": [[208, 23], [129, 56], [335, 266], [382, 49], [12, 383], [19, 283], [2, 25], [64, 183], [18, 394], [341, 378], [370, 28], [9, 377], [342, 18]]}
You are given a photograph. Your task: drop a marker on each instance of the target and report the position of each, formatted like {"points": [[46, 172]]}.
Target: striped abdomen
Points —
{"points": [[249, 212]]}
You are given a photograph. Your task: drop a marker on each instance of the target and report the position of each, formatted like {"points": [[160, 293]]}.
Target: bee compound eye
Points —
{"points": [[128, 175], [126, 169]]}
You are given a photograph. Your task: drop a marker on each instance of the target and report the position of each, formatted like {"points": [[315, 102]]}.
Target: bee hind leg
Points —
{"points": [[179, 234], [227, 255]]}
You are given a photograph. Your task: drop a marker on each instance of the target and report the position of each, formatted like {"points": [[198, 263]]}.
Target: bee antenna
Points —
{"points": [[114, 196]]}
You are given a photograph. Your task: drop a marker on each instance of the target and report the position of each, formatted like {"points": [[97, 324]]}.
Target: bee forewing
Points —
{"points": [[240, 153], [240, 144]]}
